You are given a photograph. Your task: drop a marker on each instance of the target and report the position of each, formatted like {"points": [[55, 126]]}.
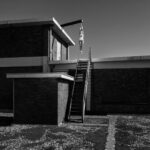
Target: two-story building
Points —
{"points": [[116, 85]]}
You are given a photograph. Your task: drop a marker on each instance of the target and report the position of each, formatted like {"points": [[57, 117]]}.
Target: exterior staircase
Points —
{"points": [[79, 91]]}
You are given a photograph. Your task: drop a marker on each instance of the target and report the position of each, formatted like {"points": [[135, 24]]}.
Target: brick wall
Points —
{"points": [[35, 101], [40, 101], [23, 41], [119, 87], [6, 84]]}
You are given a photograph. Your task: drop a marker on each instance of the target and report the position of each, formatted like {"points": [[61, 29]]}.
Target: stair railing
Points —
{"points": [[86, 85], [70, 105]]}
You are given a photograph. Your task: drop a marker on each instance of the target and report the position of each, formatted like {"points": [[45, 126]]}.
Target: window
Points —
{"points": [[58, 49]]}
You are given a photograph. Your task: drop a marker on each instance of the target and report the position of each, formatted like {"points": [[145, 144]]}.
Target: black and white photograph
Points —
{"points": [[74, 74]]}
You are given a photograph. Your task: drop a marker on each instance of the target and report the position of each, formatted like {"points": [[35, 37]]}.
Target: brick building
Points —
{"points": [[27, 46], [116, 85]]}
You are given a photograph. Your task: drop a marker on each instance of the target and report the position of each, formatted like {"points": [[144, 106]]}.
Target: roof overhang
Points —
{"points": [[52, 22]]}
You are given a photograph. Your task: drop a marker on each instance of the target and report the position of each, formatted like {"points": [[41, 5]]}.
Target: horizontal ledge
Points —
{"points": [[40, 75]]}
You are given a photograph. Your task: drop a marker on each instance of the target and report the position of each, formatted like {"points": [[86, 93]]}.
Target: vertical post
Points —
{"points": [[50, 49], [90, 56], [47, 57], [13, 97], [88, 102], [50, 45], [45, 64], [85, 97], [61, 53], [67, 53]]}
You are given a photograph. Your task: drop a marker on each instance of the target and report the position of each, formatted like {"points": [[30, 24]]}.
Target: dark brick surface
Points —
{"points": [[40, 101], [114, 87], [23, 41], [35, 101], [6, 84]]}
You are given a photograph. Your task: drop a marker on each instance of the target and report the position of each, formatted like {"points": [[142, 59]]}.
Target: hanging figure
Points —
{"points": [[81, 38]]}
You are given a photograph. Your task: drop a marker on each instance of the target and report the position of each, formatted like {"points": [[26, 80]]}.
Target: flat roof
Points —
{"points": [[40, 75], [105, 60], [124, 58], [44, 21]]}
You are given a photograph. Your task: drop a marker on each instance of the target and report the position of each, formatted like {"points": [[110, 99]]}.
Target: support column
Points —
{"points": [[47, 50], [50, 49], [67, 53], [50, 45], [45, 64]]}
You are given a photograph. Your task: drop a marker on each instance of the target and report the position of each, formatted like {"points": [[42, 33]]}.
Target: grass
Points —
{"points": [[133, 133], [48, 137]]}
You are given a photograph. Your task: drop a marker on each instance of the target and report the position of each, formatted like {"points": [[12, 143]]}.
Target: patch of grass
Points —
{"points": [[98, 138], [33, 133], [47, 137], [132, 134]]}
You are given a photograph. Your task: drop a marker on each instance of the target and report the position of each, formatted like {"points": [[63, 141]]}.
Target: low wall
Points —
{"points": [[114, 89], [39, 100], [35, 101]]}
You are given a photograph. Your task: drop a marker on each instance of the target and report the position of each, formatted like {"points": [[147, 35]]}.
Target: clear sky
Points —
{"points": [[112, 27]]}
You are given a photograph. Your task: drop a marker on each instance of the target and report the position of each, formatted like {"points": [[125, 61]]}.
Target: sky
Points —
{"points": [[112, 28]]}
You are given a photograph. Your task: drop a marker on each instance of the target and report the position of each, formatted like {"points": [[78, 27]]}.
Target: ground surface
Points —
{"points": [[113, 132], [72, 136], [133, 132]]}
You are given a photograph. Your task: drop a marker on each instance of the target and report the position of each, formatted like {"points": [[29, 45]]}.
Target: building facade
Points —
{"points": [[116, 85], [27, 46]]}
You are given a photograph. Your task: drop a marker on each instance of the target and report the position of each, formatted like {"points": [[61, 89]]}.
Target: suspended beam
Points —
{"points": [[72, 23]]}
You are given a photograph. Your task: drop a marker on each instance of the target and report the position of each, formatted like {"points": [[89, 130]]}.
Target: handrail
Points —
{"points": [[86, 85], [73, 90]]}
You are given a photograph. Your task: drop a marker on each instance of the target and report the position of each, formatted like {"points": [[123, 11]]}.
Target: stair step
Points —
{"points": [[76, 113], [82, 63], [76, 117], [76, 104], [77, 101], [79, 77], [79, 87], [79, 80], [77, 97], [78, 92], [76, 109]]}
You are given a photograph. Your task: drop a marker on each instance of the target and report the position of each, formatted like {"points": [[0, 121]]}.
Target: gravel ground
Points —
{"points": [[133, 132], [47, 137]]}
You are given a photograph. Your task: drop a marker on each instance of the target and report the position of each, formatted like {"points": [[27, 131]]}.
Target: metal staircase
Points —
{"points": [[79, 90]]}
